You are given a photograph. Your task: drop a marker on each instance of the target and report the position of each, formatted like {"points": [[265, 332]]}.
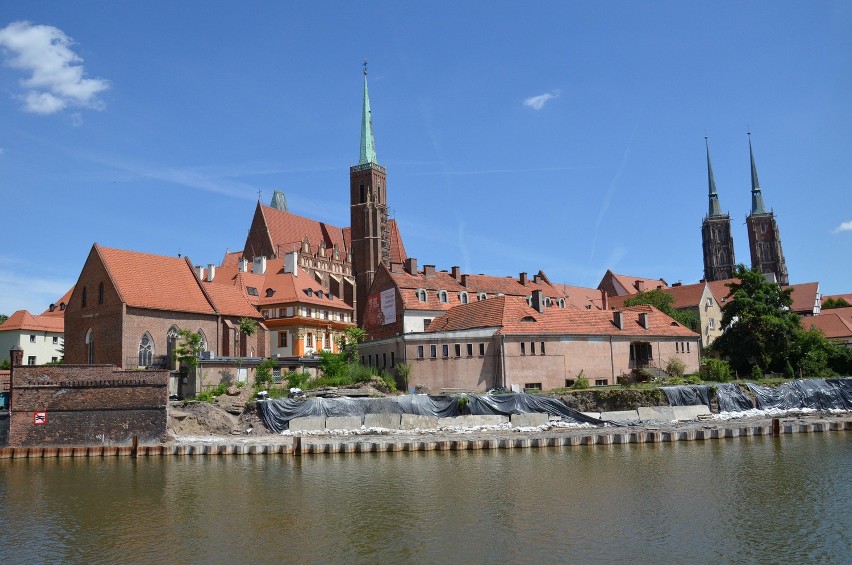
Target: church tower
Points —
{"points": [[764, 240], [368, 212], [716, 234]]}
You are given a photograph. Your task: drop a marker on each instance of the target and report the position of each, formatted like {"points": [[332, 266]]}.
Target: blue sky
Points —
{"points": [[561, 136]]}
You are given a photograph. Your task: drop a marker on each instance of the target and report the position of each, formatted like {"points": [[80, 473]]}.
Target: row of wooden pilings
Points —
{"points": [[322, 445]]}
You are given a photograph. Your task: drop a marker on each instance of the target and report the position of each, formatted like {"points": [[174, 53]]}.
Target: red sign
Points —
{"points": [[39, 418]]}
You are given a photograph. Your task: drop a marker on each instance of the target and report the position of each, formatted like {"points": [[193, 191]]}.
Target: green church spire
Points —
{"points": [[715, 208], [756, 197], [368, 144]]}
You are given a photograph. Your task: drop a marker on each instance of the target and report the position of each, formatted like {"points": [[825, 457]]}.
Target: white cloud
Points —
{"points": [[845, 226], [538, 102], [25, 292], [57, 79]]}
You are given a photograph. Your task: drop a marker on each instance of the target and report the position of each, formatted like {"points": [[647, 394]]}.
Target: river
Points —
{"points": [[750, 500]]}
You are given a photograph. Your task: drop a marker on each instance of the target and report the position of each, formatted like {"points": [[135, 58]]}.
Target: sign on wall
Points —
{"points": [[381, 308], [39, 418]]}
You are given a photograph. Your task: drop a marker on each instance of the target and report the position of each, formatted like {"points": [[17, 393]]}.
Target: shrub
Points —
{"points": [[403, 372], [263, 374], [389, 380], [756, 372], [716, 370], [693, 380], [675, 367], [581, 382], [296, 380]]}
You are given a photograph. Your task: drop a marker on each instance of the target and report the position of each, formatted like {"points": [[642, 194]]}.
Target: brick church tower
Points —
{"points": [[368, 212], [764, 239], [716, 234]]}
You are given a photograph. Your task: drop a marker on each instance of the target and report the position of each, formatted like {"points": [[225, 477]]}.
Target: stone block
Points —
{"points": [[621, 416], [656, 413], [307, 424], [343, 423], [595, 415], [412, 421], [472, 421], [529, 420], [690, 412], [387, 421]]}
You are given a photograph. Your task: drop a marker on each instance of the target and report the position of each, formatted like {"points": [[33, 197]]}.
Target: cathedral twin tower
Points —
{"points": [[763, 236]]}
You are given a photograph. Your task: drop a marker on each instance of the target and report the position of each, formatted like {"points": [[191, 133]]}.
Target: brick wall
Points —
{"points": [[87, 405]]}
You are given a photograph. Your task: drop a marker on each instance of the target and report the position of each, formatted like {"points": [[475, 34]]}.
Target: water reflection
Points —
{"points": [[743, 500]]}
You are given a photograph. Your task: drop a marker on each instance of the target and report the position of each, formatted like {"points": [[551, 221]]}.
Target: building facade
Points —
{"points": [[716, 238], [764, 238]]}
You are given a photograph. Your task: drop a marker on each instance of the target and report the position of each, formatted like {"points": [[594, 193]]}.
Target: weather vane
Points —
{"points": [[365, 66]]}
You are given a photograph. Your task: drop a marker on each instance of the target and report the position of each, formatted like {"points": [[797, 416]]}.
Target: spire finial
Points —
{"points": [[756, 197], [368, 144], [715, 208]]}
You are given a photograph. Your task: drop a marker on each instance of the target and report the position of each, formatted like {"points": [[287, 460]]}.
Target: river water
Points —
{"points": [[751, 500]]}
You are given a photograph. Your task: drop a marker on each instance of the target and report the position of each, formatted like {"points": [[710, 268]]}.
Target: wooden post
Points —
{"points": [[776, 427], [297, 446], [134, 449]]}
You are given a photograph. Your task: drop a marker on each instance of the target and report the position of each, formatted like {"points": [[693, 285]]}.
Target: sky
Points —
{"points": [[566, 137]]}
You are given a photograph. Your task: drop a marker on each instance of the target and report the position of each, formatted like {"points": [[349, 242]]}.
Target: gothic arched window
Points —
{"points": [[171, 344], [90, 347], [146, 350]]}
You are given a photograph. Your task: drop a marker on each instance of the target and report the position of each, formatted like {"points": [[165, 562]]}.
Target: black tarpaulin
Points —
{"points": [[818, 394], [687, 395], [276, 414], [732, 398]]}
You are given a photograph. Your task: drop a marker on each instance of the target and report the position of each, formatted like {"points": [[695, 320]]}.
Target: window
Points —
{"points": [[600, 382], [384, 360], [327, 344], [90, 347], [319, 294], [562, 303], [470, 350], [532, 348], [393, 362], [458, 350], [433, 351], [445, 351], [442, 296], [146, 350], [31, 360], [421, 295], [362, 193], [481, 296], [32, 339], [252, 291], [569, 383], [83, 299], [481, 349], [203, 343], [282, 339], [532, 386], [54, 359], [308, 291], [309, 313], [677, 347], [709, 301], [171, 343], [523, 348], [687, 350], [640, 351], [542, 347], [100, 293], [711, 323], [420, 352], [269, 292], [463, 298], [309, 340], [426, 323], [547, 302]]}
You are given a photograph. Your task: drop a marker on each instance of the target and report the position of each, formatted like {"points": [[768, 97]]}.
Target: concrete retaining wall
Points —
{"points": [[529, 420]]}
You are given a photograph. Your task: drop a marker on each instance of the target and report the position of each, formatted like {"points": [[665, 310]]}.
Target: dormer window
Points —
{"points": [[330, 296], [547, 302], [442, 296], [269, 292], [52, 307], [252, 291], [463, 298], [481, 296], [529, 301], [309, 292], [561, 302], [528, 319], [421, 295], [61, 306]]}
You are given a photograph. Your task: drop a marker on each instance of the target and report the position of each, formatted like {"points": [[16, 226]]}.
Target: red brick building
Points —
{"points": [[128, 307]]}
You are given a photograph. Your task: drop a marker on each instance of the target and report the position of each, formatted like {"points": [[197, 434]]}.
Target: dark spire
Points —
{"points": [[756, 197], [715, 208]]}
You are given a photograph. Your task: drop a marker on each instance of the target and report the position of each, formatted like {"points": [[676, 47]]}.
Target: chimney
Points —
{"points": [[604, 300], [617, 319], [639, 285], [199, 272], [643, 320], [243, 265], [464, 280], [456, 272], [396, 268], [259, 266], [290, 263], [678, 283], [429, 270], [211, 272], [411, 266], [538, 300], [523, 279]]}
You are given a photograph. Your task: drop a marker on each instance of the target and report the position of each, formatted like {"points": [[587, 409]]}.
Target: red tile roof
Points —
{"points": [[287, 230], [804, 296], [23, 320], [397, 249], [513, 316], [154, 282], [846, 297], [581, 296], [629, 283], [230, 301], [58, 309], [835, 323], [232, 258]]}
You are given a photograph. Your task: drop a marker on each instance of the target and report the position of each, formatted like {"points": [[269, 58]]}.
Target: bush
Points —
{"points": [[675, 367], [693, 380], [581, 382], [716, 370], [296, 380], [403, 372], [756, 372], [263, 374], [389, 380]]}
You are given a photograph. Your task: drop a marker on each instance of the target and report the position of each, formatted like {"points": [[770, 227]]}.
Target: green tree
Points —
{"points": [[761, 330], [349, 341], [3, 318], [835, 303], [189, 348], [263, 373], [663, 302]]}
